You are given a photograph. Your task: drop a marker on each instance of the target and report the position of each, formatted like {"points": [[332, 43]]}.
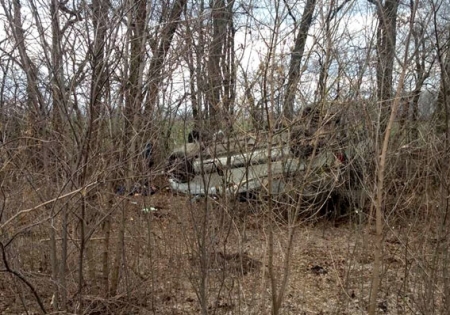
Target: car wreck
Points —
{"points": [[308, 156]]}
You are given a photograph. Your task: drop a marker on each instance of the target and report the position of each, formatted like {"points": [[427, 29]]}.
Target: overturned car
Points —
{"points": [[310, 158]]}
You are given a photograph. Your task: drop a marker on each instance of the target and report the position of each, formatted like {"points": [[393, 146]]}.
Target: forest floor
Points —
{"points": [[165, 270]]}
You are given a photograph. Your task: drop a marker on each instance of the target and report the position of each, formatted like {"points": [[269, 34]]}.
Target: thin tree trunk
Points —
{"points": [[105, 255], [82, 248], [442, 102], [379, 200], [58, 90], [386, 42], [322, 92], [216, 54], [296, 59], [158, 59], [63, 263], [54, 259], [91, 138], [118, 257], [229, 69]]}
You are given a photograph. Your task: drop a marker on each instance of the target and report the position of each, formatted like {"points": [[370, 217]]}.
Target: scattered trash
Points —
{"points": [[137, 190], [383, 306], [196, 198], [149, 209], [319, 270]]}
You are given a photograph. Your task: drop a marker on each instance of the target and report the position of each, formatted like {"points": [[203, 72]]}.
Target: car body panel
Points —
{"points": [[242, 164]]}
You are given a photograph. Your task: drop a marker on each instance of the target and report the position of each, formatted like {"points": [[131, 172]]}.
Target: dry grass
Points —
{"points": [[162, 266]]}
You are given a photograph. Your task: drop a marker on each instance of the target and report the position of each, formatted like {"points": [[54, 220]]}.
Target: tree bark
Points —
{"points": [[158, 59], [442, 103], [296, 59], [386, 42]]}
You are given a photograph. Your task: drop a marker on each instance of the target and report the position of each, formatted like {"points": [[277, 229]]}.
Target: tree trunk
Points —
{"points": [[386, 40], [91, 138], [391, 13], [105, 255], [442, 103], [296, 59], [158, 59], [216, 54]]}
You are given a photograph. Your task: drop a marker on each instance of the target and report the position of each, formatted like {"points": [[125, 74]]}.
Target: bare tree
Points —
{"points": [[296, 58], [170, 23], [386, 40], [84, 86], [383, 151], [443, 53], [221, 73]]}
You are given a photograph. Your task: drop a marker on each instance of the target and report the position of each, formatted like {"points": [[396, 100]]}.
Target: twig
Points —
{"points": [[18, 275], [22, 212]]}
